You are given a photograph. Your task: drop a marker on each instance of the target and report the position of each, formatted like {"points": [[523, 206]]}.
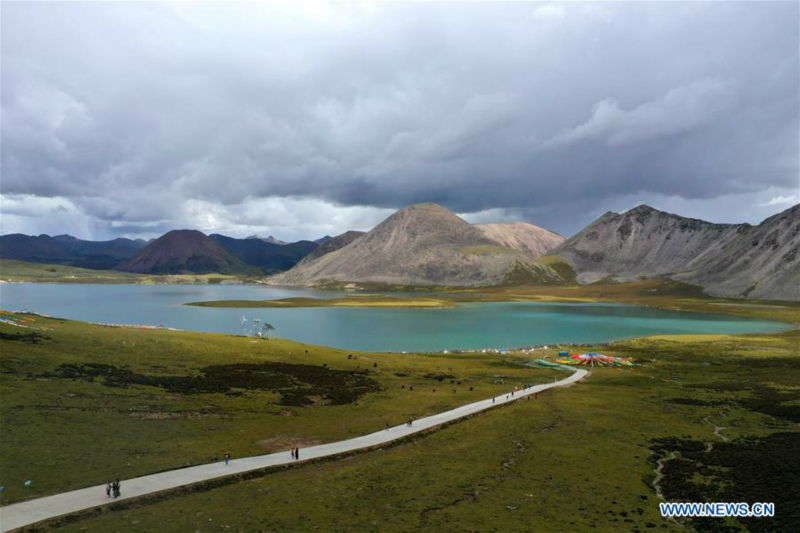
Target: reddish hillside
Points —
{"points": [[184, 251]]}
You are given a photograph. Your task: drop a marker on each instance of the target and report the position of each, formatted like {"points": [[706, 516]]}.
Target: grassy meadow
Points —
{"points": [[577, 459], [84, 403], [702, 418]]}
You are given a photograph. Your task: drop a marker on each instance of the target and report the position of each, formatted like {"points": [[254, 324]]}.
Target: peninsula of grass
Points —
{"points": [[350, 301], [658, 293]]}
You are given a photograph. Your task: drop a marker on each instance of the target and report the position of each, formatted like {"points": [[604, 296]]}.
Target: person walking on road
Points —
{"points": [[227, 458], [116, 487], [108, 489], [297, 453]]}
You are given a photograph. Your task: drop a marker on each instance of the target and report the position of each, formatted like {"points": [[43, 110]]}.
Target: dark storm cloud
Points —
{"points": [[153, 115]]}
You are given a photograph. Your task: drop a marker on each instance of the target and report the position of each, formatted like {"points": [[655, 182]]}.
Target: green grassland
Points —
{"points": [[82, 404], [12, 270], [577, 459], [23, 271]]}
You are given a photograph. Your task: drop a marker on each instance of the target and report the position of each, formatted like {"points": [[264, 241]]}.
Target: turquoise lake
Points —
{"points": [[473, 325]]}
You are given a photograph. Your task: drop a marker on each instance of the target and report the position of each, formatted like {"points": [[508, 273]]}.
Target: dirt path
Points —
{"points": [[717, 430]]}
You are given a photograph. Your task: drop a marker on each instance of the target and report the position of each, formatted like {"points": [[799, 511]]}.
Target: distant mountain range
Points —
{"points": [[67, 250], [180, 251], [425, 244], [266, 255], [270, 239]]}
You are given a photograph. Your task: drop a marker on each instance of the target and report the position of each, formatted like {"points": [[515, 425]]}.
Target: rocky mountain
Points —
{"points": [[423, 244], [332, 244], [760, 262], [643, 242], [734, 260], [67, 250], [184, 251], [531, 240], [267, 256], [270, 239]]}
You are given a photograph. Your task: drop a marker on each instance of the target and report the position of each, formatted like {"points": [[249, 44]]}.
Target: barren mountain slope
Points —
{"points": [[332, 244], [761, 262], [644, 242], [531, 240], [423, 244]]}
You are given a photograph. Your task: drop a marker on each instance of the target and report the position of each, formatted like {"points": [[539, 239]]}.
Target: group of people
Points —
{"points": [[113, 488], [295, 453], [508, 397]]}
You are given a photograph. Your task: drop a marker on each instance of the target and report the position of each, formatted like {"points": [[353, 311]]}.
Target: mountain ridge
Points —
{"points": [[262, 253], [184, 251], [731, 260], [421, 244], [67, 250], [524, 237]]}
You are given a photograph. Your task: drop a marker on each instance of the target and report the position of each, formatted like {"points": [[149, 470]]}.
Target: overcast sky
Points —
{"points": [[131, 119]]}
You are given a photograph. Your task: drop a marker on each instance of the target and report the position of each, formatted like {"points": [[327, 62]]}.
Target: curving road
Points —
{"points": [[30, 512]]}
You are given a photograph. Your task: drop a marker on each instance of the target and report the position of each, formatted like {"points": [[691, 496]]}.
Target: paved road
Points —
{"points": [[26, 513]]}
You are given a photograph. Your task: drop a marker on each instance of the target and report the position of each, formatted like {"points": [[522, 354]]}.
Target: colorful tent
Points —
{"points": [[594, 359]]}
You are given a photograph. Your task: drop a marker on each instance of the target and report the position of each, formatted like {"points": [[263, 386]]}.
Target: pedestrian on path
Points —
{"points": [[108, 489], [297, 453], [117, 488], [227, 458], [387, 426], [492, 400]]}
